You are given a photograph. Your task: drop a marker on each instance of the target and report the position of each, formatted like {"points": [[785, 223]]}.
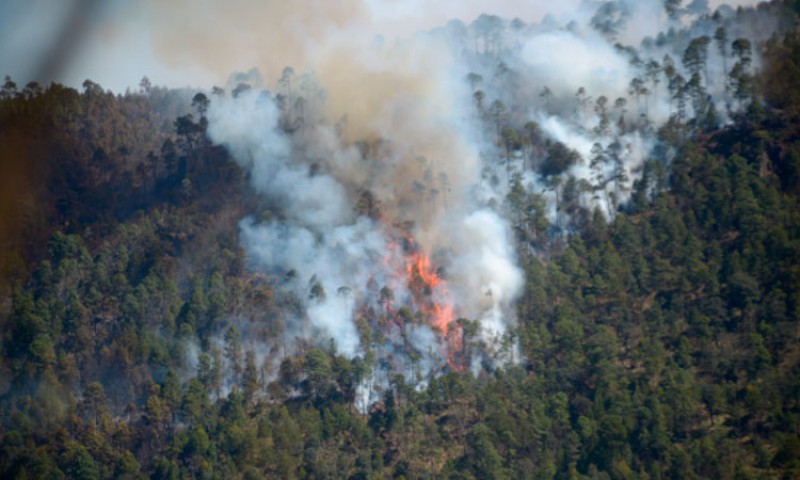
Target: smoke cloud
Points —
{"points": [[417, 164], [386, 163]]}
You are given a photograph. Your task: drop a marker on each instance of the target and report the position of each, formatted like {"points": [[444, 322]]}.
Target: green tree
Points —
{"points": [[233, 353], [79, 463], [200, 102], [250, 381], [318, 371], [721, 39], [483, 459], [94, 404], [695, 57]]}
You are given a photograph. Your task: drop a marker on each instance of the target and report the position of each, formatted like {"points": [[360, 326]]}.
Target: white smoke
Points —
{"points": [[378, 150], [421, 165], [562, 60]]}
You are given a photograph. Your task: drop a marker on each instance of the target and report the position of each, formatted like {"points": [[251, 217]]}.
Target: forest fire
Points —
{"points": [[426, 286], [431, 301]]}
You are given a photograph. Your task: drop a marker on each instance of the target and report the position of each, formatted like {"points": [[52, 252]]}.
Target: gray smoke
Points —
{"points": [[377, 150], [332, 253]]}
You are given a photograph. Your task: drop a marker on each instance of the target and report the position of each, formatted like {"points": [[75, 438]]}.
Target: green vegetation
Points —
{"points": [[663, 344]]}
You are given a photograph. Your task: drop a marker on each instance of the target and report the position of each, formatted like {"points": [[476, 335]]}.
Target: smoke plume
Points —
{"points": [[355, 218], [386, 163]]}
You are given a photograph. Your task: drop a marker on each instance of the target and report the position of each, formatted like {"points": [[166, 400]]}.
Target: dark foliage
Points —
{"points": [[663, 344]]}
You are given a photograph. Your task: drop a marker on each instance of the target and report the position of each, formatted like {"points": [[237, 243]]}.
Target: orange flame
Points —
{"points": [[428, 289], [413, 270], [433, 300]]}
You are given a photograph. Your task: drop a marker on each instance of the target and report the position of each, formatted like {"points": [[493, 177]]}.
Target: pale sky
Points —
{"points": [[116, 43]]}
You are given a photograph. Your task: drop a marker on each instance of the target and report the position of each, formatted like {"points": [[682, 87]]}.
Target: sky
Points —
{"points": [[199, 42]]}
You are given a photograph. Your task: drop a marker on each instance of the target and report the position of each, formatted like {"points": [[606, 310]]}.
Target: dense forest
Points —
{"points": [[657, 330]]}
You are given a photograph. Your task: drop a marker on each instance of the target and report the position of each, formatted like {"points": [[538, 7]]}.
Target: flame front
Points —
{"points": [[433, 300], [430, 291], [411, 270]]}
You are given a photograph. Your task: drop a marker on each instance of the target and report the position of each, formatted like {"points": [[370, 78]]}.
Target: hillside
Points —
{"points": [[523, 280]]}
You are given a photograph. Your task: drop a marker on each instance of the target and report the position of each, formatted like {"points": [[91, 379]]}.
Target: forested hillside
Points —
{"points": [[655, 334]]}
